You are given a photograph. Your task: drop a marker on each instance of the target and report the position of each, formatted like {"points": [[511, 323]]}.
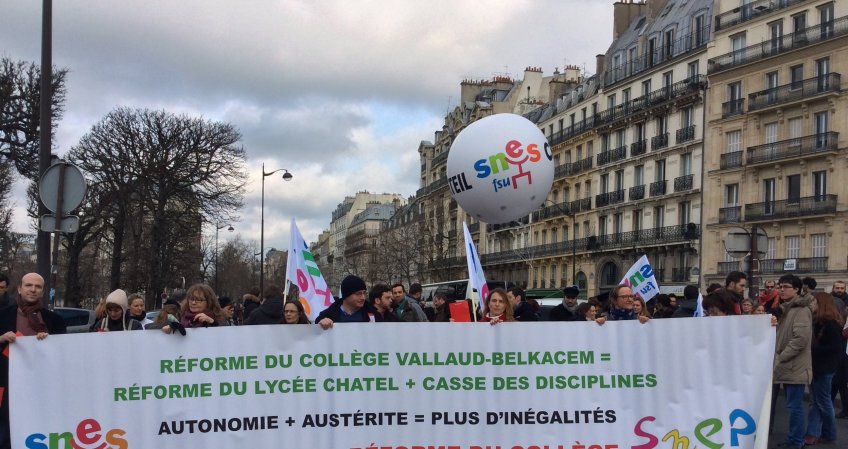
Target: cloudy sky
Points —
{"points": [[339, 92]]}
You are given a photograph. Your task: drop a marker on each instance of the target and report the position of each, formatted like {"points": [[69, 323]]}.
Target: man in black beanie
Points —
{"points": [[352, 308]]}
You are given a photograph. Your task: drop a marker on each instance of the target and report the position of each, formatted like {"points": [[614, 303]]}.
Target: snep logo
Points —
{"points": [[512, 159], [87, 435]]}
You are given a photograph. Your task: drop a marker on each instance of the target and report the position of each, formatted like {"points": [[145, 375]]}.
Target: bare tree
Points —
{"points": [[20, 94], [168, 173]]}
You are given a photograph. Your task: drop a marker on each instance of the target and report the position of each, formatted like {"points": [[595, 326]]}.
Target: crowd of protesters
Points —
{"points": [[810, 353]]}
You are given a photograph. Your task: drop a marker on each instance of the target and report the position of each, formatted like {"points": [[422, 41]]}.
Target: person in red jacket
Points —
{"points": [[769, 298]]}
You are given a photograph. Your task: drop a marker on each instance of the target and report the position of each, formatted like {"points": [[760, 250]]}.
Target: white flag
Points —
{"points": [[476, 278], [302, 270], [640, 277]]}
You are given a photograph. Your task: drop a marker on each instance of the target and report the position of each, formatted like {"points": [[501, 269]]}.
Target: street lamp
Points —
{"points": [[286, 177], [217, 228]]}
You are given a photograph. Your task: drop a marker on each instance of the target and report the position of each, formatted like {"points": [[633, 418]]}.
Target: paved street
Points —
{"points": [[781, 424]]}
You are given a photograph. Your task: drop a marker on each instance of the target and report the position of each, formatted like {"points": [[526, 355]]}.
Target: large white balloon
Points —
{"points": [[500, 168]]}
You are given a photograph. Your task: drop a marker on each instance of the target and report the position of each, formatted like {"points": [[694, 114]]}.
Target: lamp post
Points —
{"points": [[286, 177], [217, 228]]}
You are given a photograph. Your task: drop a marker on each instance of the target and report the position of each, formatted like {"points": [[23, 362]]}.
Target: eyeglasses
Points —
{"points": [[769, 286], [785, 286], [197, 300]]}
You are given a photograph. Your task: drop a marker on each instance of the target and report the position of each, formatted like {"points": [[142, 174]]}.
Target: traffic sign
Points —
{"points": [[72, 189]]}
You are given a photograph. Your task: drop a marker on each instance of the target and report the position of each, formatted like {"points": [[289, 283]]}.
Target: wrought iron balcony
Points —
{"points": [[584, 205], [725, 268], [554, 211], [750, 11], [680, 274], [658, 188], [562, 170], [523, 221], [442, 157], [611, 242], [580, 166], [800, 90], [730, 214], [637, 192], [609, 198], [659, 141], [730, 160], [796, 207], [638, 148], [804, 265], [732, 107], [786, 43], [685, 182], [613, 155], [791, 148], [682, 46], [686, 134]]}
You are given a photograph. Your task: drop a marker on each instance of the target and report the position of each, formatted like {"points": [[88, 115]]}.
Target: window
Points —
{"points": [[826, 20], [737, 45], [776, 36], [652, 49], [579, 152], [577, 191], [792, 246], [605, 143], [769, 195], [668, 80], [640, 132], [734, 91], [553, 274], [819, 245], [604, 183], [796, 75], [819, 185], [637, 220], [770, 250], [683, 214], [590, 148], [685, 164], [619, 179], [659, 170], [821, 128], [795, 127], [588, 191], [734, 141], [544, 237], [822, 72], [638, 175], [617, 223], [771, 85], [770, 130], [659, 216], [687, 117], [669, 44], [611, 101], [692, 70], [731, 195], [619, 138], [585, 229], [602, 225], [662, 125], [793, 188], [700, 31], [625, 96], [646, 87]]}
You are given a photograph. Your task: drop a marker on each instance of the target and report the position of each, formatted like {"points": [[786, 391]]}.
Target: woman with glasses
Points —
{"points": [[201, 308], [294, 313], [621, 305]]}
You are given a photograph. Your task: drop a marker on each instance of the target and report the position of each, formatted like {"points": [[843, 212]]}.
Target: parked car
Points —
{"points": [[76, 320]]}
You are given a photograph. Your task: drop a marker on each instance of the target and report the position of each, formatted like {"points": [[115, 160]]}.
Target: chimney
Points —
{"points": [[623, 14], [600, 64]]}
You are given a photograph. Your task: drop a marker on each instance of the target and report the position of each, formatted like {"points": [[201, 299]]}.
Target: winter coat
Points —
{"points": [[561, 313], [793, 362], [334, 312], [251, 303], [686, 309], [269, 312], [827, 347], [524, 312], [412, 312]]}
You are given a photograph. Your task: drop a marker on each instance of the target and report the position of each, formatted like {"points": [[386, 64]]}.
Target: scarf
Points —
{"points": [[33, 313], [187, 320], [616, 314]]}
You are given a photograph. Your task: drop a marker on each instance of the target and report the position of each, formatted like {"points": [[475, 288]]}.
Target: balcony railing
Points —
{"points": [[440, 158], [523, 221], [658, 188], [609, 198], [785, 149], [806, 265], [730, 160], [732, 107], [658, 142], [584, 205], [680, 274], [613, 155], [686, 134], [725, 268], [682, 46], [683, 183], [797, 207], [554, 210], [638, 148], [637, 192], [750, 11], [783, 44], [730, 214], [799, 90]]}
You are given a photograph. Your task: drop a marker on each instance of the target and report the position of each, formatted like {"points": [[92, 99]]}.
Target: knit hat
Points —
{"points": [[571, 292], [118, 297], [351, 285]]}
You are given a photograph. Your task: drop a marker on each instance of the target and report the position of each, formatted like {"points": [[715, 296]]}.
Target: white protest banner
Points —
{"points": [[302, 270], [516, 385], [640, 277], [477, 280]]}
